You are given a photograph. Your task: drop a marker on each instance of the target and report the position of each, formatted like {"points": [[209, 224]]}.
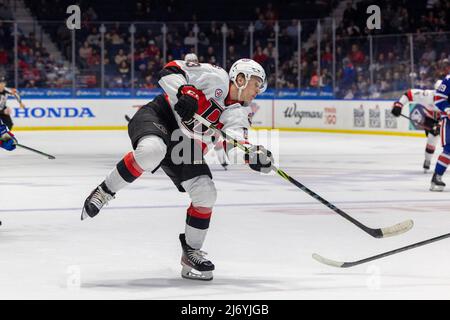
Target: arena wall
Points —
{"points": [[345, 116]]}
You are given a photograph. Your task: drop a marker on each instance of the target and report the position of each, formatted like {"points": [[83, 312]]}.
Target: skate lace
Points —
{"points": [[100, 198], [197, 256]]}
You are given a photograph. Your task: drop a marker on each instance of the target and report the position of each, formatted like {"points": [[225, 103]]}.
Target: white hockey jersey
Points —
{"points": [[213, 83], [422, 97]]}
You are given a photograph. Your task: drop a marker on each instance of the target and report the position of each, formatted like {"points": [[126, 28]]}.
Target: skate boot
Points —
{"points": [[436, 183], [99, 197], [195, 266], [426, 165]]}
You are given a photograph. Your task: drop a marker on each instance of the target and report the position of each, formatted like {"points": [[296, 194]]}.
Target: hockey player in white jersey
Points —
{"points": [[5, 111], [427, 117], [219, 97], [219, 144]]}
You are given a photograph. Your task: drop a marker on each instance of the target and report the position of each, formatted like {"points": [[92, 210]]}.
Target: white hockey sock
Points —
{"points": [[195, 237], [149, 153], [431, 146]]}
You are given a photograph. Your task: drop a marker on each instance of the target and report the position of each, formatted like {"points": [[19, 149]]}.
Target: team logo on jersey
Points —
{"points": [[160, 127], [219, 93]]}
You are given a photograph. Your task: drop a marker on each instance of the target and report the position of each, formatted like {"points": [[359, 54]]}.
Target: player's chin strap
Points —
{"points": [[376, 233], [240, 89]]}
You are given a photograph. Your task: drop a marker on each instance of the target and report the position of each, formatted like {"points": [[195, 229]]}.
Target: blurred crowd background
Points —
{"points": [[313, 46]]}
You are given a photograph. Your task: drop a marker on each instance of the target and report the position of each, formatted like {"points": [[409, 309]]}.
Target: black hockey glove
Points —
{"points": [[187, 104], [397, 109], [436, 130], [259, 159], [433, 125]]}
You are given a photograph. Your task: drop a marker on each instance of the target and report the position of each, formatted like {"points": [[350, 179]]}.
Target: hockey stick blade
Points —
{"points": [[339, 264], [397, 229], [49, 156]]}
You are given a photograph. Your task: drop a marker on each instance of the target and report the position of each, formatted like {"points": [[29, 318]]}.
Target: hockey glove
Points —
{"points": [[187, 104], [7, 139], [259, 159], [433, 125], [436, 130], [397, 109]]}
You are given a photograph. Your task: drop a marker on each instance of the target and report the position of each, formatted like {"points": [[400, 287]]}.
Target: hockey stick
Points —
{"points": [[417, 123], [376, 233], [127, 118], [339, 264], [49, 156]]}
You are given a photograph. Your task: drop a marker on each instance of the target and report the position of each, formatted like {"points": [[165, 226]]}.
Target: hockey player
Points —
{"points": [[219, 145], [429, 117], [189, 88], [5, 111], [442, 101]]}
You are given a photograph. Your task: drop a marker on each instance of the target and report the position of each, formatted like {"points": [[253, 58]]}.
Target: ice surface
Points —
{"points": [[262, 233]]}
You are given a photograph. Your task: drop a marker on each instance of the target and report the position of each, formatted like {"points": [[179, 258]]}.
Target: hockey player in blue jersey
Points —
{"points": [[442, 102], [7, 139]]}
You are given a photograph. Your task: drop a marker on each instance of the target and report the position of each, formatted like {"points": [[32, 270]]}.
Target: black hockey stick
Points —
{"points": [[417, 123], [49, 156], [339, 264], [376, 233], [127, 118]]}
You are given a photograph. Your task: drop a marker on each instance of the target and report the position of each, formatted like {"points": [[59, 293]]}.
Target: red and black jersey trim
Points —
{"points": [[171, 68]]}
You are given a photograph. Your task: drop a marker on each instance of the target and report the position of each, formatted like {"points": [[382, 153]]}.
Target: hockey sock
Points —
{"points": [[428, 154], [442, 163], [125, 172], [431, 146], [197, 224]]}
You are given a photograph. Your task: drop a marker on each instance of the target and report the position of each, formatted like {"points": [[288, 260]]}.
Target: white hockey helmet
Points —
{"points": [[191, 57], [437, 84], [248, 68]]}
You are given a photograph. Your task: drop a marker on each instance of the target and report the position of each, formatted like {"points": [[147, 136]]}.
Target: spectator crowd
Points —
{"points": [[368, 63]]}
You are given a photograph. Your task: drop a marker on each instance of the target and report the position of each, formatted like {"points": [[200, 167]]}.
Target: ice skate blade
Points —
{"points": [[436, 188], [84, 215], [192, 274]]}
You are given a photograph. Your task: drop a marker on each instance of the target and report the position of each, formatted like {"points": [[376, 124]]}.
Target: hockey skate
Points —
{"points": [[195, 266], [96, 200], [436, 183], [426, 166]]}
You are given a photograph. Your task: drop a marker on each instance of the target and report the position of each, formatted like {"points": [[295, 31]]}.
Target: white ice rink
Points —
{"points": [[262, 234]]}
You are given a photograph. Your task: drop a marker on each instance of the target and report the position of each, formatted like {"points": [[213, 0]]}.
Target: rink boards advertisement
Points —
{"points": [[364, 116], [353, 116], [54, 114]]}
